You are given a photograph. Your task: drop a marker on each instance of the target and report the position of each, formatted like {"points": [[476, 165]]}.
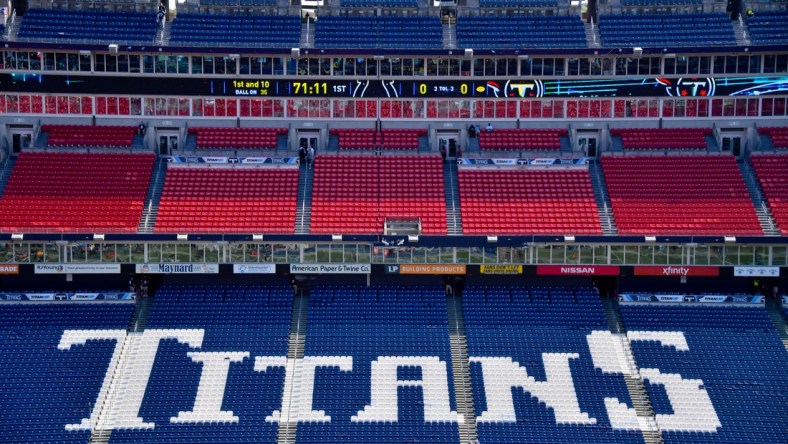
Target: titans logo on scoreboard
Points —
{"points": [[516, 88], [692, 87]]}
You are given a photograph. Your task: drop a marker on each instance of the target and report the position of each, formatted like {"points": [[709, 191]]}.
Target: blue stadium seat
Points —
{"points": [[524, 323], [367, 323], [768, 28], [44, 388], [241, 30], [736, 353], [88, 26], [378, 32], [671, 30], [253, 319], [660, 3], [379, 3], [491, 32], [518, 3]]}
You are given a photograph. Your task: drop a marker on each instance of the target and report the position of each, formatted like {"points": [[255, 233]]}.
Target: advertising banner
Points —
{"points": [[516, 161], [77, 268], [756, 271], [426, 269], [501, 269], [67, 296], [331, 268], [254, 268], [578, 270], [177, 268], [672, 270], [233, 159], [704, 299], [9, 269]]}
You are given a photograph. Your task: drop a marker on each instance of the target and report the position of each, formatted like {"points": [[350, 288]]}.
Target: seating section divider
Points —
{"points": [[521, 139], [237, 138], [355, 194], [87, 136], [70, 192], [524, 201], [679, 195], [228, 200], [662, 138]]}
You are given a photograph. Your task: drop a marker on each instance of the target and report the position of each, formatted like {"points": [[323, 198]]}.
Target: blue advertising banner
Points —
{"points": [[703, 299], [67, 296]]}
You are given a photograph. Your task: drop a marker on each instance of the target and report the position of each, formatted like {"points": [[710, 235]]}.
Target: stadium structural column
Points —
{"points": [[635, 387], [463, 392]]}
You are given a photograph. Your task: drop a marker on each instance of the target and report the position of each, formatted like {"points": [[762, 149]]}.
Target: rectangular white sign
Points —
{"points": [[331, 268], [254, 268], [177, 268], [77, 268], [756, 271]]}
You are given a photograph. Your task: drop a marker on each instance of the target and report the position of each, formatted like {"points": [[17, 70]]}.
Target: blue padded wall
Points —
{"points": [[736, 353], [367, 323], [93, 26], [655, 30], [233, 29], [235, 318], [42, 388], [495, 32], [522, 323]]}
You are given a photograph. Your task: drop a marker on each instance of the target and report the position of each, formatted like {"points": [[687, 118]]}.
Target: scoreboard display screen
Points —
{"points": [[512, 88]]}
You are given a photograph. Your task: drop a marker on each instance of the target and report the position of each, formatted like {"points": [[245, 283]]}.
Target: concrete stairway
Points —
{"points": [[451, 190], [637, 390], [604, 207], [461, 369], [288, 413], [307, 35], [741, 32], [304, 202], [592, 36], [774, 308], [449, 35], [153, 197], [765, 218], [5, 173], [139, 319]]}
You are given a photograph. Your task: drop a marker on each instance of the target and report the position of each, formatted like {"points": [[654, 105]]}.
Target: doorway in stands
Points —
{"points": [[587, 142], [309, 137], [21, 138], [732, 141], [168, 140], [449, 142]]}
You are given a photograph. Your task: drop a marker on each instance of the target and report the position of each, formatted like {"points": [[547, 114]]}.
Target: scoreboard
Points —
{"points": [[343, 87]]}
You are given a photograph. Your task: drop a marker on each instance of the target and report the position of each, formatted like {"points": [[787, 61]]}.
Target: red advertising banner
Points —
{"points": [[9, 269], [578, 270], [676, 270]]}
